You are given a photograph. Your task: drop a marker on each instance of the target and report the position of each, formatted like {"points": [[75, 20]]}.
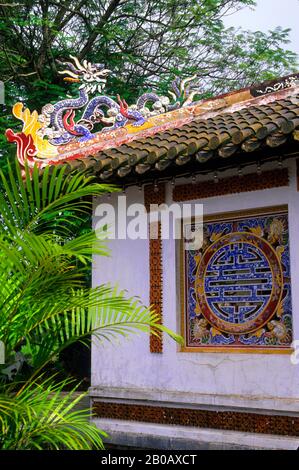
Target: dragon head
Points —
{"points": [[91, 76]]}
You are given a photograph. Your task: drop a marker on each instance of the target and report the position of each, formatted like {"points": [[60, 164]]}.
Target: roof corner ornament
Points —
{"points": [[45, 135], [277, 85]]}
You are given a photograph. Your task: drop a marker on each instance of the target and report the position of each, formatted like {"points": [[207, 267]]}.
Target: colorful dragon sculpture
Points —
{"points": [[43, 134]]}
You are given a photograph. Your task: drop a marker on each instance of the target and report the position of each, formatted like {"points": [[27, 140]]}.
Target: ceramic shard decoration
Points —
{"points": [[63, 128], [237, 286]]}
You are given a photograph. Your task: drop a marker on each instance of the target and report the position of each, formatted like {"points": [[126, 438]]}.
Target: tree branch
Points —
{"points": [[93, 36]]}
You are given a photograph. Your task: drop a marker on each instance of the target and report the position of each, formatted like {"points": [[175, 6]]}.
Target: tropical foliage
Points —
{"points": [[45, 305], [40, 417]]}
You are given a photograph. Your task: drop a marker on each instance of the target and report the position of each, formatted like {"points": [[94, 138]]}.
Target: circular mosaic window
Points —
{"points": [[239, 283]]}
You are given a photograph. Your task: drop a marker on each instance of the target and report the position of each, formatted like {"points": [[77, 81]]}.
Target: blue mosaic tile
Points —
{"points": [[238, 285]]}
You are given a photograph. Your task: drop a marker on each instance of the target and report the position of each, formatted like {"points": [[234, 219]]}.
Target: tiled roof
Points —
{"points": [[249, 127], [253, 124]]}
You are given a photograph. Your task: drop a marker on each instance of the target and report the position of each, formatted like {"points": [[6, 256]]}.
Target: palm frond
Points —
{"points": [[45, 305], [42, 417], [36, 203]]}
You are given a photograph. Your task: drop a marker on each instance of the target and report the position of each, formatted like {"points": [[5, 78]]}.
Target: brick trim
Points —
{"points": [[155, 195], [232, 185], [225, 420]]}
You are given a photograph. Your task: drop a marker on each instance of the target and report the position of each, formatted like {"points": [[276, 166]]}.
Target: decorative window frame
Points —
{"points": [[181, 278]]}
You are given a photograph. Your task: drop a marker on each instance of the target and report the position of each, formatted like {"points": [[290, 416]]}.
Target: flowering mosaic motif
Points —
{"points": [[237, 286]]}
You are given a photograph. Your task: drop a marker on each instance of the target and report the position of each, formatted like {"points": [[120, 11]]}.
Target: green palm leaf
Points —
{"points": [[42, 417], [36, 203], [45, 305]]}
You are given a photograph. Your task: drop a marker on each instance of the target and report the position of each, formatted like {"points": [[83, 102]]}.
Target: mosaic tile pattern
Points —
{"points": [[283, 425], [156, 195], [237, 286], [232, 185]]}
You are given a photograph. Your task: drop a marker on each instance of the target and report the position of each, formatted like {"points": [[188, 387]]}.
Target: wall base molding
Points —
{"points": [[149, 396], [161, 437], [241, 421]]}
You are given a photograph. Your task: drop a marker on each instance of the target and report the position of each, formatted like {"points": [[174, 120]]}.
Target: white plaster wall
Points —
{"points": [[127, 370]]}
